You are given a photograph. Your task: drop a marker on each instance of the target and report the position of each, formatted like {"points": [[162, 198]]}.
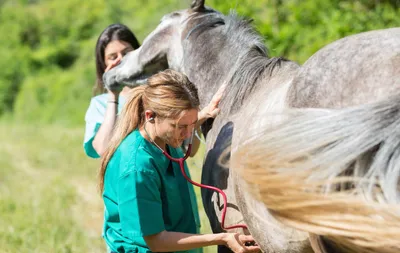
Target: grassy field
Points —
{"points": [[48, 197]]}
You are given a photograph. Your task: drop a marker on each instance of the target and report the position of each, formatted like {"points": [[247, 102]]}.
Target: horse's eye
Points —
{"points": [[175, 14], [171, 15]]}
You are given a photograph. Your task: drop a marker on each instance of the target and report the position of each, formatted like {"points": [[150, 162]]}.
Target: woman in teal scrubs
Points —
{"points": [[149, 206]]}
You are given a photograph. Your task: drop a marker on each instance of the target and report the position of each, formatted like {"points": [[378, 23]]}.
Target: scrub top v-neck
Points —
{"points": [[145, 193]]}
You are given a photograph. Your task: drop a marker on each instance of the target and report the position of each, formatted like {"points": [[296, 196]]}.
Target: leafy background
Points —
{"points": [[48, 199]]}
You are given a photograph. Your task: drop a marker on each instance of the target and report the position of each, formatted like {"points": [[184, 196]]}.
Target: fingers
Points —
{"points": [[212, 110], [116, 90], [216, 112], [112, 65], [249, 244], [253, 249], [221, 89], [246, 238], [218, 95]]}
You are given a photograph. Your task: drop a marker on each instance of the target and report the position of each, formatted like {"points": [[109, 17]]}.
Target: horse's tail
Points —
{"points": [[331, 172]]}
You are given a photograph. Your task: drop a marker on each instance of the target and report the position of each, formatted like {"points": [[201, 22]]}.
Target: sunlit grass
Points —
{"points": [[48, 196]]}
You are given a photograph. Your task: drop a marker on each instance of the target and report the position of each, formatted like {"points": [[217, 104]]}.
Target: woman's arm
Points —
{"points": [[103, 135], [141, 212], [211, 110], [166, 241]]}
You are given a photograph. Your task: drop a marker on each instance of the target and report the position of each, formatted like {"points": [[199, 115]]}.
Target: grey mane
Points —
{"points": [[253, 60]]}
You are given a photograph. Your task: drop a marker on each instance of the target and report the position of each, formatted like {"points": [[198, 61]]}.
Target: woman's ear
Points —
{"points": [[149, 115]]}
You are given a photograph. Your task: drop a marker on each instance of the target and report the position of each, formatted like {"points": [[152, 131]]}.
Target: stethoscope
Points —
{"points": [[181, 162]]}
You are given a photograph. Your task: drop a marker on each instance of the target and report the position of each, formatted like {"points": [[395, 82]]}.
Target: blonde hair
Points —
{"points": [[167, 94]]}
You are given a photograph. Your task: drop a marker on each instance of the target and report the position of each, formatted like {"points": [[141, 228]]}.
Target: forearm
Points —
{"points": [[103, 135], [175, 241]]}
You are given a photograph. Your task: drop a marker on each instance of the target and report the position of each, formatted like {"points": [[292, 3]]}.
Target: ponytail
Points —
{"points": [[166, 93], [131, 118]]}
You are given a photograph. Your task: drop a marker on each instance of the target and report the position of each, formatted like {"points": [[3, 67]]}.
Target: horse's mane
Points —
{"points": [[253, 60]]}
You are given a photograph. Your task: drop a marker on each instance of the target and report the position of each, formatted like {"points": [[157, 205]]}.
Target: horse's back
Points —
{"points": [[354, 70]]}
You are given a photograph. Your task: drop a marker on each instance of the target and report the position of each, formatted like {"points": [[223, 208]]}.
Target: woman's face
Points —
{"points": [[115, 50], [174, 131]]}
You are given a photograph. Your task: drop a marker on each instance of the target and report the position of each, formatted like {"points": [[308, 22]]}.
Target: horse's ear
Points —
{"points": [[197, 5]]}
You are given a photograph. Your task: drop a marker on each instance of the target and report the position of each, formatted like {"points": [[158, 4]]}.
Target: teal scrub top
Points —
{"points": [[144, 194], [94, 118]]}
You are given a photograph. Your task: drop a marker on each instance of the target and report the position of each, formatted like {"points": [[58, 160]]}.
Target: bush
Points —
{"points": [[47, 57]]}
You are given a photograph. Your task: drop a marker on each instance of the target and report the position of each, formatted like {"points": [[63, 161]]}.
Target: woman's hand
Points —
{"points": [[114, 93], [237, 243], [212, 110]]}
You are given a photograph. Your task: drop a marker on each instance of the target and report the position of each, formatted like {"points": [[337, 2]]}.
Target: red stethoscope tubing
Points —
{"points": [[181, 162]]}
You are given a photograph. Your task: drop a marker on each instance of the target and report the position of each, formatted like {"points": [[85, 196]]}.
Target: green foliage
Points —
{"points": [[47, 46], [296, 29], [54, 95]]}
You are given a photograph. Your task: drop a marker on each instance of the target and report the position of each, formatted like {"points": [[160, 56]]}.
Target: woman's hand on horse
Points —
{"points": [[212, 110], [112, 65], [237, 243]]}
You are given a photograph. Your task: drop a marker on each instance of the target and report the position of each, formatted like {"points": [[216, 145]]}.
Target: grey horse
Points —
{"points": [[213, 49]]}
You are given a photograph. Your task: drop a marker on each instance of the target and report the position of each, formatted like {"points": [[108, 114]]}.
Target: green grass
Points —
{"points": [[48, 197]]}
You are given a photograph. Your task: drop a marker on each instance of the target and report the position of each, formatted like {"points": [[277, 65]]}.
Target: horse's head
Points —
{"points": [[160, 50]]}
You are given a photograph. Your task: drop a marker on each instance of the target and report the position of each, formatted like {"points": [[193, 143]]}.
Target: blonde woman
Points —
{"points": [[149, 206]]}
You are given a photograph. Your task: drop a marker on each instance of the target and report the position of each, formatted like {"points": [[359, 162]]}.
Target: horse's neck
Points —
{"points": [[260, 107], [273, 91], [227, 60], [270, 93], [263, 109]]}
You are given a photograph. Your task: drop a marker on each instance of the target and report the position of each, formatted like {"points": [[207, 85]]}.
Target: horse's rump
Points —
{"points": [[331, 172]]}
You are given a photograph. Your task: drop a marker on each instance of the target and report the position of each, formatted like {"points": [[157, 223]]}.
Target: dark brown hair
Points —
{"points": [[112, 32]]}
